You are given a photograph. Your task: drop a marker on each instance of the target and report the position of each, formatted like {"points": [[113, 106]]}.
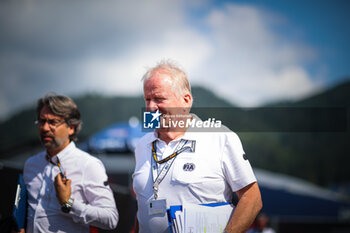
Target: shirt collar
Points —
{"points": [[62, 154]]}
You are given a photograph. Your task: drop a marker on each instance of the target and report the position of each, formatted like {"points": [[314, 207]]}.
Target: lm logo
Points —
{"points": [[151, 120], [188, 167]]}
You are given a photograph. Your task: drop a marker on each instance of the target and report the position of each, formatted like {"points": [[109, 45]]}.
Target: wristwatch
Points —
{"points": [[66, 207]]}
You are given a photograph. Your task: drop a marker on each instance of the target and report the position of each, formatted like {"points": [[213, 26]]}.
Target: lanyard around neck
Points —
{"points": [[158, 178], [181, 146], [58, 164]]}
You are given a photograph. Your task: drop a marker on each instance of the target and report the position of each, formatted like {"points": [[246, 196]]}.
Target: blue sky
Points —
{"points": [[324, 24], [249, 52]]}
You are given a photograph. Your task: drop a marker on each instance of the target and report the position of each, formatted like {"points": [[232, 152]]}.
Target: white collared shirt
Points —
{"points": [[93, 199], [220, 168]]}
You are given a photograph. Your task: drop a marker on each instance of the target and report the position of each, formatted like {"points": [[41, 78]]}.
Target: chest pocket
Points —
{"points": [[188, 171]]}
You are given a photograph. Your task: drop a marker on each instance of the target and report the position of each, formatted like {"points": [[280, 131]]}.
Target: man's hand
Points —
{"points": [[63, 189]]}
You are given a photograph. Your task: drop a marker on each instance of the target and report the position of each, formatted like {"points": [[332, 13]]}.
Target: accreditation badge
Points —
{"points": [[156, 206]]}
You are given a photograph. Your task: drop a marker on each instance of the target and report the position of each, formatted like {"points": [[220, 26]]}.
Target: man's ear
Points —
{"points": [[71, 130], [188, 100]]}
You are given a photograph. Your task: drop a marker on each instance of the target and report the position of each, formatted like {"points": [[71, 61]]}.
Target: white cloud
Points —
{"points": [[89, 46], [121, 74], [252, 64]]}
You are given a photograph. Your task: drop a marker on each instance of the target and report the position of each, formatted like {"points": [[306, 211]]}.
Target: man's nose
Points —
{"points": [[45, 126], [151, 106]]}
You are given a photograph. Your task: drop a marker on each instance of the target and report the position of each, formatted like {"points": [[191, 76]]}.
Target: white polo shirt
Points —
{"points": [[218, 168], [93, 199]]}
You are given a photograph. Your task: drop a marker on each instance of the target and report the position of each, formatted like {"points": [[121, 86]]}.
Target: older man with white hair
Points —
{"points": [[175, 165]]}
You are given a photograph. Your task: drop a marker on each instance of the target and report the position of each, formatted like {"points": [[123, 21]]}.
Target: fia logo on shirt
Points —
{"points": [[188, 167]]}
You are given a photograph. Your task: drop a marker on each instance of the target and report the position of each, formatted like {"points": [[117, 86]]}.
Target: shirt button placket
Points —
{"points": [[44, 190]]}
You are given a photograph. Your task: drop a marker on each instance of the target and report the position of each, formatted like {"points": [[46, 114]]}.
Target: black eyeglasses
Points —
{"points": [[53, 123]]}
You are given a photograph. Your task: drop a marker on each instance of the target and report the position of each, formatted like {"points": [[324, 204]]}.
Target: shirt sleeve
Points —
{"points": [[100, 209], [237, 169]]}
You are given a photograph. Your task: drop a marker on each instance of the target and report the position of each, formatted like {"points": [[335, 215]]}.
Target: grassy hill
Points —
{"points": [[274, 137], [19, 132], [318, 155]]}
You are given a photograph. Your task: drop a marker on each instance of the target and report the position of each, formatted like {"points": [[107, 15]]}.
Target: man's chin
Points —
{"points": [[48, 144]]}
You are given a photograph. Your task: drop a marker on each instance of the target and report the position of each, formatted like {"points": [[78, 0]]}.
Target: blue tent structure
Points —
{"points": [[119, 137], [293, 199]]}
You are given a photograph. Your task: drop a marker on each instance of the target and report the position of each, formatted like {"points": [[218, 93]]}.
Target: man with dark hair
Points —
{"points": [[67, 188]]}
